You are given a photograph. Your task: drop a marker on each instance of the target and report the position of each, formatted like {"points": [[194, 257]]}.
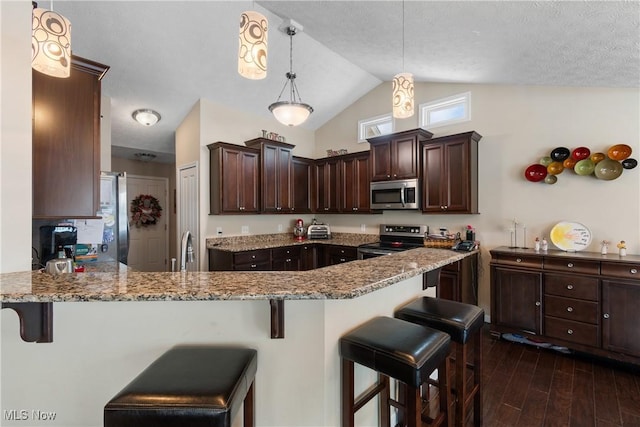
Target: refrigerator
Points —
{"points": [[114, 212]]}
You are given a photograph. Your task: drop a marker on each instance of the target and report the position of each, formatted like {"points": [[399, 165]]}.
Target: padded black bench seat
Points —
{"points": [[188, 386]]}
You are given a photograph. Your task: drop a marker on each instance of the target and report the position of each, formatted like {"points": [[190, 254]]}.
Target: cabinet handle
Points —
{"points": [[355, 209], [326, 209], [253, 257], [570, 331], [288, 260], [569, 287], [241, 208], [538, 304], [395, 175], [633, 271], [570, 264], [606, 315], [388, 176], [569, 309], [518, 259], [254, 265], [342, 260]]}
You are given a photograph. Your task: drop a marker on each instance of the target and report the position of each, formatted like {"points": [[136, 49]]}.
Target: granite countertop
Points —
{"points": [[342, 281], [267, 241]]}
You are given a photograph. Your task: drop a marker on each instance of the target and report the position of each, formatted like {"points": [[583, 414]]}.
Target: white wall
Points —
{"points": [[519, 125], [15, 148]]}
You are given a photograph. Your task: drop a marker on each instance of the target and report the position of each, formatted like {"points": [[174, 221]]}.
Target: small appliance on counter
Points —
{"points": [[319, 231], [299, 231]]}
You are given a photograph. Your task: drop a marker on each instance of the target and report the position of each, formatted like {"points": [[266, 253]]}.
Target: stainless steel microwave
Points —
{"points": [[402, 194]]}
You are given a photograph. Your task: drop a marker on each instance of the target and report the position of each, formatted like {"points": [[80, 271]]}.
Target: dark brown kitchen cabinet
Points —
{"points": [[621, 315], [275, 174], [328, 184], [66, 141], [233, 179], [308, 257], [302, 184], [396, 156], [450, 174], [589, 301], [336, 254], [256, 260], [355, 188], [287, 258], [458, 281], [517, 299]]}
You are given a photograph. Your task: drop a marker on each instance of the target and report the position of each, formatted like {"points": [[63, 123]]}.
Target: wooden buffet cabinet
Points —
{"points": [[584, 301], [66, 141]]}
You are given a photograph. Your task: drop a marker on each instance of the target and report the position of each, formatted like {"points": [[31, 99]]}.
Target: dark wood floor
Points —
{"points": [[527, 386]]}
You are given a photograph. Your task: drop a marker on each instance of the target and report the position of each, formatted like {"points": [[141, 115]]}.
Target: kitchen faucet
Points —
{"points": [[186, 251]]}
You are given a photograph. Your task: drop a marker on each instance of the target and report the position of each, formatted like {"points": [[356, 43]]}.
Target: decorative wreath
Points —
{"points": [[145, 210]]}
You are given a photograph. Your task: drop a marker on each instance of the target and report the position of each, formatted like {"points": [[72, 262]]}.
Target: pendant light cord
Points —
{"points": [[403, 69]]}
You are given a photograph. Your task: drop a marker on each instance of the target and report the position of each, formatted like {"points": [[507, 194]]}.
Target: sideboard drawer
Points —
{"points": [[572, 265], [571, 309], [520, 260], [620, 269], [568, 330], [565, 285]]}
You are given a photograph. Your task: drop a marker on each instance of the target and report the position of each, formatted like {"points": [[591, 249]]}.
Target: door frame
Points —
{"points": [[180, 227]]}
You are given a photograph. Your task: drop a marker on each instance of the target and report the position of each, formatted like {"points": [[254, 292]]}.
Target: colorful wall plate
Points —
{"points": [[570, 236]]}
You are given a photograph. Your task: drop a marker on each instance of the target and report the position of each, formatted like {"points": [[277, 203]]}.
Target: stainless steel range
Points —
{"points": [[394, 238]]}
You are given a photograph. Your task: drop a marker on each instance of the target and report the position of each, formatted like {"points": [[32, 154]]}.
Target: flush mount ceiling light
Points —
{"points": [[145, 157], [50, 43], [402, 93], [252, 49], [146, 117], [293, 112]]}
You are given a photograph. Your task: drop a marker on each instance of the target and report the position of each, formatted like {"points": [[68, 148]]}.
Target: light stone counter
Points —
{"points": [[343, 281], [268, 241]]}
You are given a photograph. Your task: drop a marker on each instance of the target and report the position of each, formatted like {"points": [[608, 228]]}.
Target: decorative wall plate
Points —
{"points": [[570, 236]]}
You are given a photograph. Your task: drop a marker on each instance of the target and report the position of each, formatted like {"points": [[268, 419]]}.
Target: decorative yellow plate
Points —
{"points": [[570, 236]]}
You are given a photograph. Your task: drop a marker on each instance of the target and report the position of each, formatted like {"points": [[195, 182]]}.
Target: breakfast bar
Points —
{"points": [[116, 322]]}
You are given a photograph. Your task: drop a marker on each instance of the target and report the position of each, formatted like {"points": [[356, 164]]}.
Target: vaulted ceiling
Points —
{"points": [[166, 55]]}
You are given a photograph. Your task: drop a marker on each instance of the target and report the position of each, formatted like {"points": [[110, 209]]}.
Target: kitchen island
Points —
{"points": [[109, 326]]}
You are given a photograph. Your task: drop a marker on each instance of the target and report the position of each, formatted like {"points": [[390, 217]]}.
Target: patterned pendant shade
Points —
{"points": [[252, 49], [51, 43], [403, 95]]}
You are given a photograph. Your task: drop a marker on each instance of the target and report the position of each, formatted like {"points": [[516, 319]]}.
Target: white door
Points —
{"points": [[188, 208], [149, 245]]}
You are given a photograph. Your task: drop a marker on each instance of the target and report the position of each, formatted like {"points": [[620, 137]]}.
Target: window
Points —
{"points": [[374, 126], [446, 111]]}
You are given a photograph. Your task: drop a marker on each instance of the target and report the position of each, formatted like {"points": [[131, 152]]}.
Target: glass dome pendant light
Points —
{"points": [[402, 94], [50, 42], [293, 112]]}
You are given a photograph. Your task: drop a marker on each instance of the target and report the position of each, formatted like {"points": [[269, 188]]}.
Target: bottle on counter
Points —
{"points": [[537, 244], [545, 245]]}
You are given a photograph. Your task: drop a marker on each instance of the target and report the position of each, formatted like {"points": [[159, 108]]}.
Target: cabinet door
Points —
{"points": [[404, 158], [381, 161], [456, 192], [302, 184], [433, 178], [276, 179], [286, 258], [66, 142], [328, 192], [341, 254], [355, 187], [308, 257], [234, 180], [516, 298], [620, 316]]}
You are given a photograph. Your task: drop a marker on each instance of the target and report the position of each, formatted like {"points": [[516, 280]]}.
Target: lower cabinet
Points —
{"points": [[286, 259], [339, 254], [459, 281], [586, 302]]}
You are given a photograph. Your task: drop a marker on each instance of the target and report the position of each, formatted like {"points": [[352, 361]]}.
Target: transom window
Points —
{"points": [[446, 111], [374, 126]]}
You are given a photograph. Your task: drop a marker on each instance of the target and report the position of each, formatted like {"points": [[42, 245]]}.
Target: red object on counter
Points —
{"points": [[79, 269]]}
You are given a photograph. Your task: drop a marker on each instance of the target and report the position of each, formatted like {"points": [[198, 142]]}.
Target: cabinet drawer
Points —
{"points": [[571, 286], [287, 252], [568, 330], [624, 270], [572, 265], [571, 309], [521, 260], [343, 251], [255, 266], [250, 257]]}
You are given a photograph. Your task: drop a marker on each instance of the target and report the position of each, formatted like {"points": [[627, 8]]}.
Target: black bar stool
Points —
{"points": [[192, 386], [463, 322], [401, 350]]}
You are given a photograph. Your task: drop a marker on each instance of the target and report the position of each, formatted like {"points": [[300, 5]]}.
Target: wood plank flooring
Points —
{"points": [[527, 386]]}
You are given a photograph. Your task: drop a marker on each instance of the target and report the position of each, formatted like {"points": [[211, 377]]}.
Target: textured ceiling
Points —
{"points": [[166, 55]]}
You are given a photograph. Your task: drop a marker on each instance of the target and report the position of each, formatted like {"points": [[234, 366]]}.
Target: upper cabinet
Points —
{"points": [[450, 174], [356, 177], [302, 185], [233, 179], [396, 156], [66, 141], [328, 184], [275, 175]]}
